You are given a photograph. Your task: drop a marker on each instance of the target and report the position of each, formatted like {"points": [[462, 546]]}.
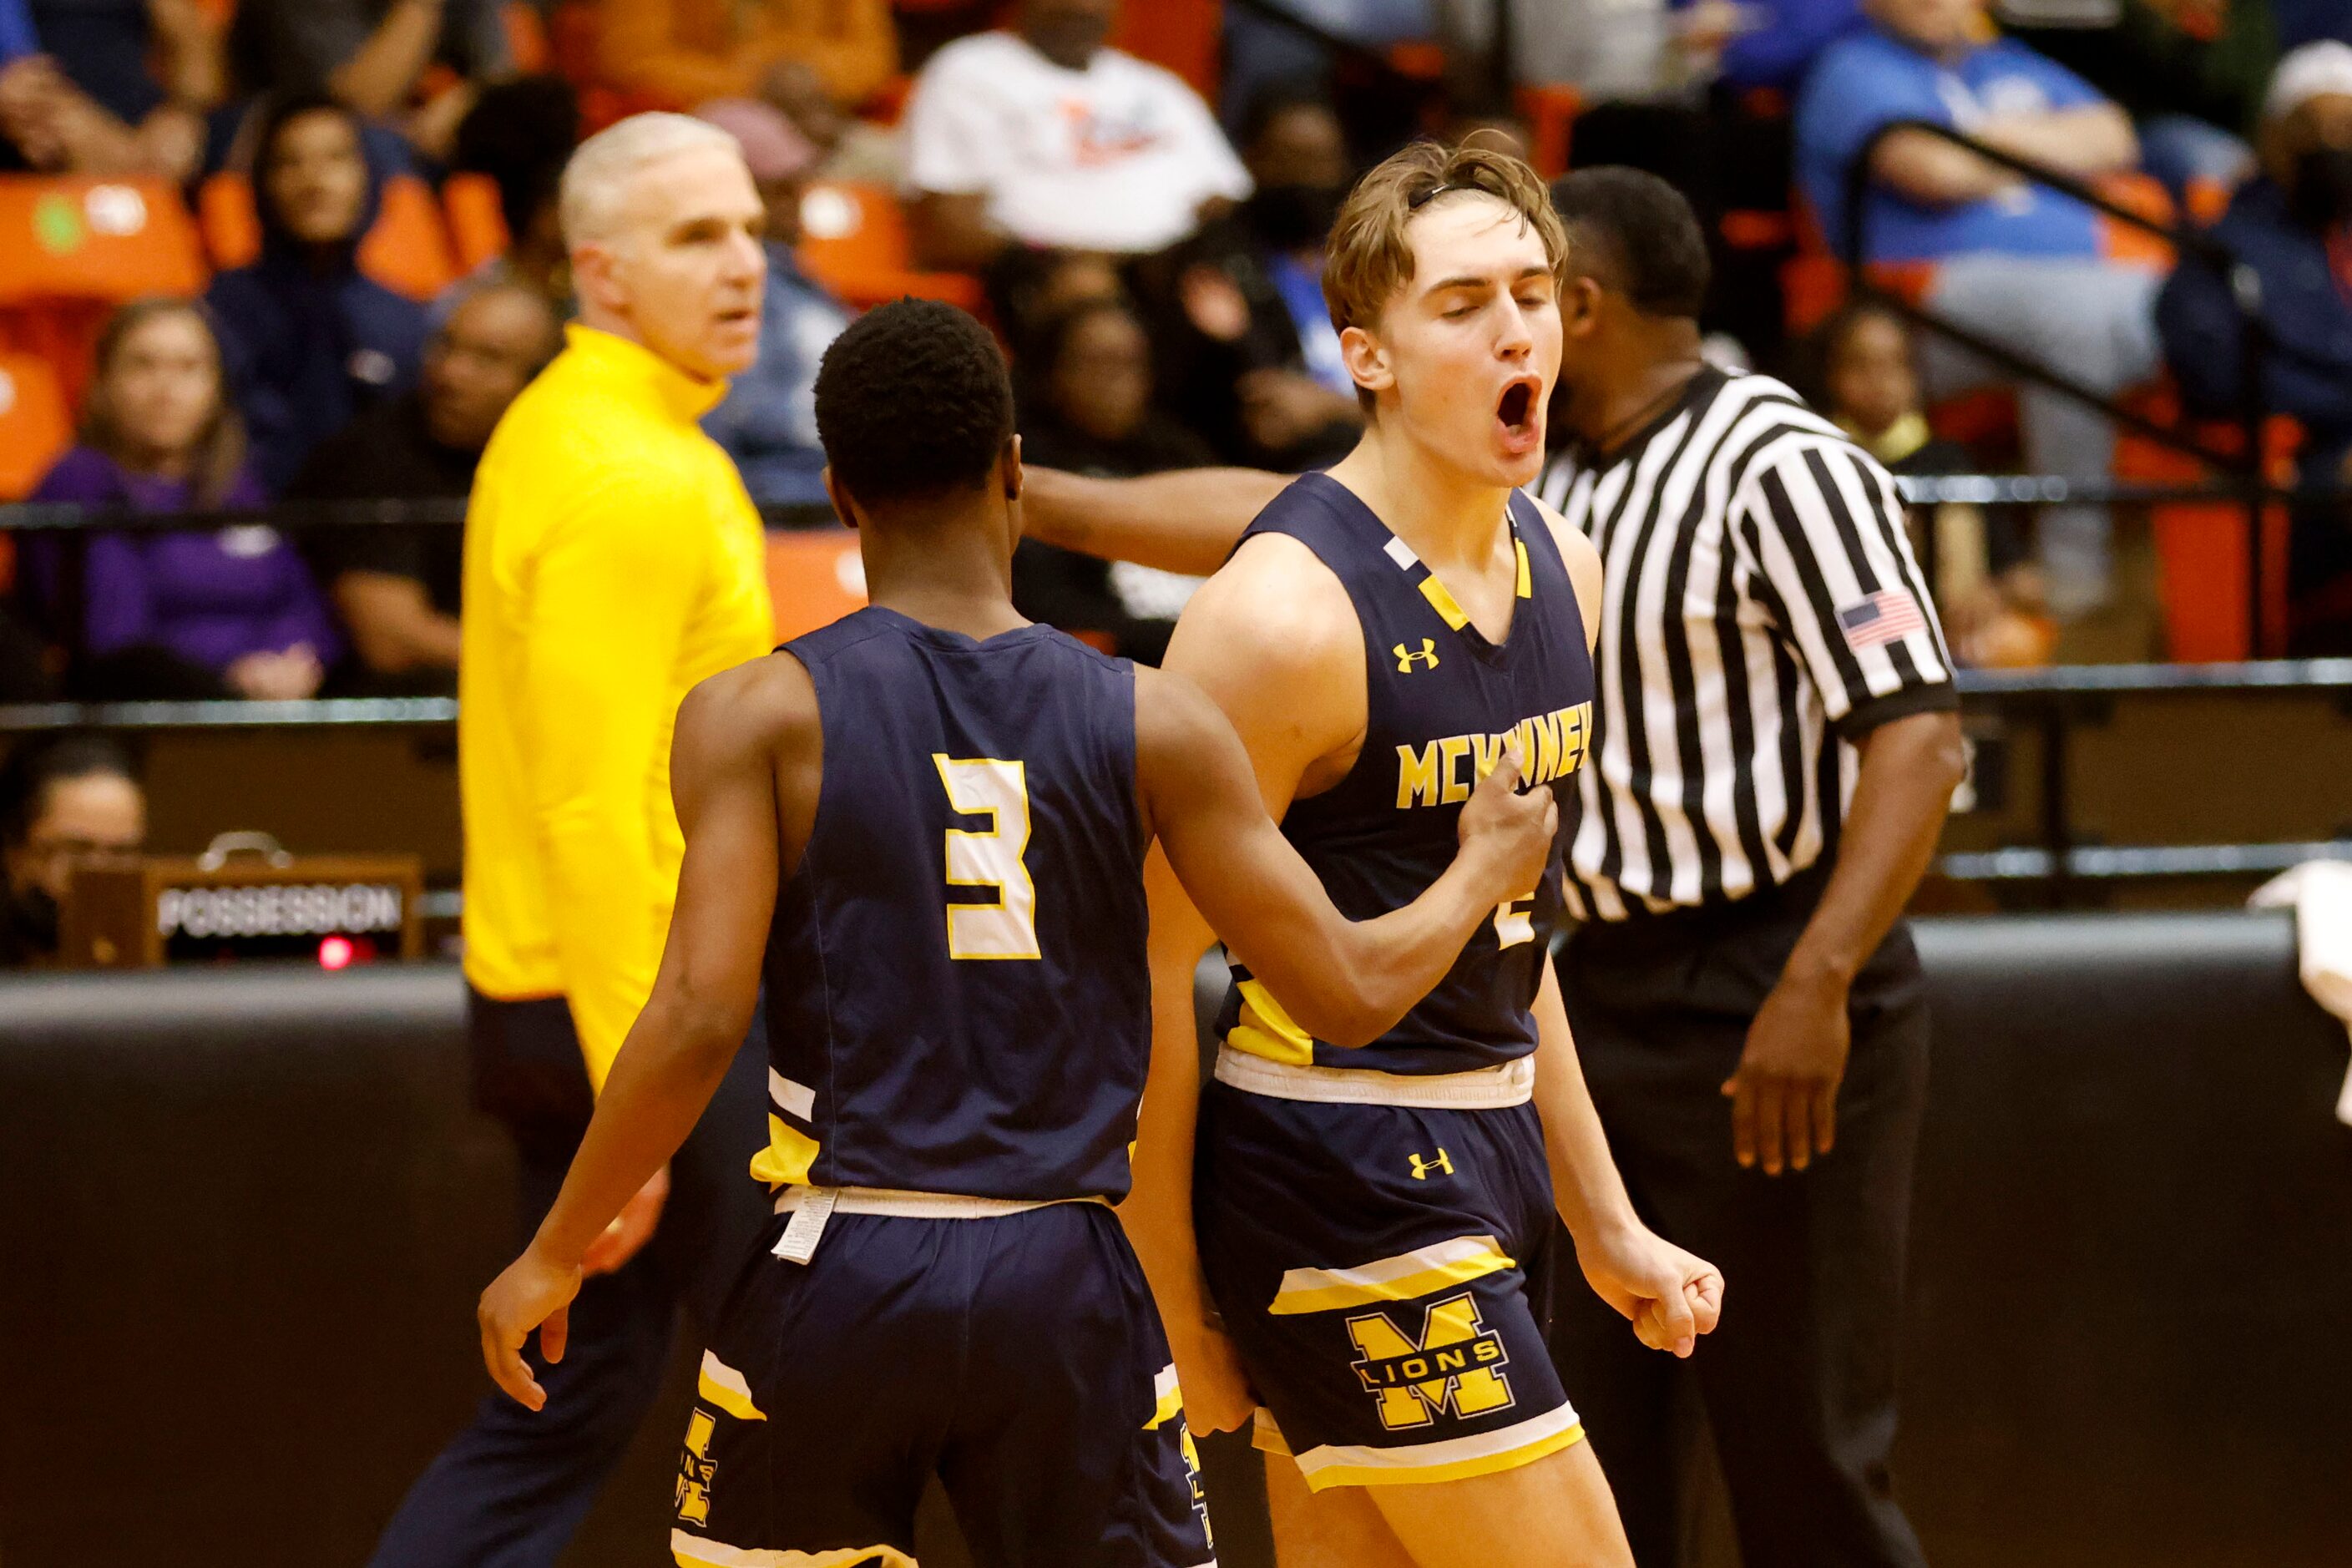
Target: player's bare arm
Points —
{"points": [[745, 763], [1345, 982], [1273, 642], [1670, 1296], [1187, 520]]}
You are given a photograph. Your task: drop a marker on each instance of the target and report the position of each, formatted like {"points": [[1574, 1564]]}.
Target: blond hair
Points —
{"points": [[1370, 259], [596, 180]]}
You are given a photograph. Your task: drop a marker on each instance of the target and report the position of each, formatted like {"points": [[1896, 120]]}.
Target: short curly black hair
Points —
{"points": [[1651, 237], [912, 402]]}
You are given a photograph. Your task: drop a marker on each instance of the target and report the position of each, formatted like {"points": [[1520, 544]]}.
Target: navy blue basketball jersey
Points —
{"points": [[1441, 701], [958, 1000]]}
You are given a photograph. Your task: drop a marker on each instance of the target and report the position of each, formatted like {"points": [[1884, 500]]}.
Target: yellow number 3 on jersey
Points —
{"points": [[990, 858]]}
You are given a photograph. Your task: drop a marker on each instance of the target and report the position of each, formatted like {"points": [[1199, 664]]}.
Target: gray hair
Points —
{"points": [[595, 181]]}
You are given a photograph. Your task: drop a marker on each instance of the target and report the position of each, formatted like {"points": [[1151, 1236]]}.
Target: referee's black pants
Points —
{"points": [[509, 1491], [1798, 1380]]}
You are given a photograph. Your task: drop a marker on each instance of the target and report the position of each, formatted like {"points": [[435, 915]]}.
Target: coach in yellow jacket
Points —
{"points": [[612, 561]]}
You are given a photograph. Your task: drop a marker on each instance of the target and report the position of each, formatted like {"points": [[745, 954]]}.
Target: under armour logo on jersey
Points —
{"points": [[1443, 1166], [1428, 656]]}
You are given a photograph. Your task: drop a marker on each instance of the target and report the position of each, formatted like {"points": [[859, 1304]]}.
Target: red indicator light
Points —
{"points": [[335, 953]]}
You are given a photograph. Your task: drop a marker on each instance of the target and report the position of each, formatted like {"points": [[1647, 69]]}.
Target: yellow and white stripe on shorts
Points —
{"points": [[1447, 1460], [691, 1551], [1407, 1277]]}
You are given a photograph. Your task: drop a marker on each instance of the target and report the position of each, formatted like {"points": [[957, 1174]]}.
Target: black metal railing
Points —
{"points": [[2055, 702], [2244, 482], [63, 594], [312, 713], [2052, 704], [303, 517]]}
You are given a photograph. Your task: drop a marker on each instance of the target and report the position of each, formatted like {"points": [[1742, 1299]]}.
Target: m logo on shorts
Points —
{"points": [[1454, 1368], [697, 1469]]}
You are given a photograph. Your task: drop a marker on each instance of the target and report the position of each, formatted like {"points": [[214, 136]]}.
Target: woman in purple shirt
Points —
{"points": [[229, 612]]}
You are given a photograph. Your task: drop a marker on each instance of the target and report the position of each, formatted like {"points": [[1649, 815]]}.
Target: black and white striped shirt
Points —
{"points": [[1760, 602]]}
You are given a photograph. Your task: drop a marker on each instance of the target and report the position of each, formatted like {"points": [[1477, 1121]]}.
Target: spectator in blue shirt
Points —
{"points": [[2292, 225], [1781, 40], [768, 422], [17, 38], [107, 87], [2015, 262]]}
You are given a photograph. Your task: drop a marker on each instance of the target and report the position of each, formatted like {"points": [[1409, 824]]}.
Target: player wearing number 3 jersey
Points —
{"points": [[927, 825]]}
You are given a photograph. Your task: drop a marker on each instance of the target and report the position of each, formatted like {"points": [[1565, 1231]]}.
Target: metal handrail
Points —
{"points": [[2055, 697], [304, 517], [2269, 675], [2101, 863], [2245, 293], [314, 713], [2245, 286]]}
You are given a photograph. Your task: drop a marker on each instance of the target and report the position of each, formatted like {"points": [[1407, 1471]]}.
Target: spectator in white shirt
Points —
{"points": [[1045, 136]]}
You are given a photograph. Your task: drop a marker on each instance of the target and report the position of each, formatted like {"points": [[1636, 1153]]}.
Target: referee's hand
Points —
{"points": [[1784, 1096]]}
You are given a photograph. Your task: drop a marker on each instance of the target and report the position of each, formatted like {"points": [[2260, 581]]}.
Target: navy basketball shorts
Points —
{"points": [[1384, 1270], [1018, 1357]]}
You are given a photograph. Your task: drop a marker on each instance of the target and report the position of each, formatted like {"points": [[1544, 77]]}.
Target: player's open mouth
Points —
{"points": [[1516, 412]]}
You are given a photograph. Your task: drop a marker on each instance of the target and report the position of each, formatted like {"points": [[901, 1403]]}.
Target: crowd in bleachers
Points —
{"points": [[262, 252]]}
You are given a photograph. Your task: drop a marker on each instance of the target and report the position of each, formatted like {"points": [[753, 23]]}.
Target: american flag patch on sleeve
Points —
{"points": [[1888, 615]]}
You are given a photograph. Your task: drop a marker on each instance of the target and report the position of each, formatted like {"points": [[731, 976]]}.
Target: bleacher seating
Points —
{"points": [[814, 577], [34, 427], [72, 248], [478, 226], [854, 241], [407, 250]]}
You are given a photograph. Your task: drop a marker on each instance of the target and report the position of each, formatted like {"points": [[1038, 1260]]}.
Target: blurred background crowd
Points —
{"points": [[261, 255]]}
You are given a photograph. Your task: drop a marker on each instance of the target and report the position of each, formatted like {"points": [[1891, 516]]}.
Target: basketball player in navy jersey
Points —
{"points": [[1376, 1224], [927, 823]]}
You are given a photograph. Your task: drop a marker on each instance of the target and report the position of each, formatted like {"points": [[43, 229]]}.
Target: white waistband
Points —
{"points": [[915, 1205], [1488, 1088]]}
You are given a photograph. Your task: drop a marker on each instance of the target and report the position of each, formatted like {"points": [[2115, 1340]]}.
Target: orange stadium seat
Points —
{"points": [[73, 248], [2129, 243], [854, 241], [527, 41], [477, 227], [815, 578], [225, 212], [33, 426], [1180, 35], [407, 250], [2201, 560], [1550, 112], [77, 237], [573, 31]]}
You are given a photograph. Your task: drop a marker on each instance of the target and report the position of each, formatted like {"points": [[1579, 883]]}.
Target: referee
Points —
{"points": [[1778, 742]]}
